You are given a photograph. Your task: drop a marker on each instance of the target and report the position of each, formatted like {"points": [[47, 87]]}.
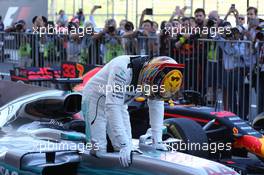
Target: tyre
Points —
{"points": [[191, 134], [258, 122]]}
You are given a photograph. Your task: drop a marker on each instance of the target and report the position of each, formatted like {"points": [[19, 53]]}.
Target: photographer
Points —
{"points": [[214, 19], [179, 13], [18, 27], [74, 40], [129, 44], [110, 42], [237, 60], [91, 17], [233, 10], [147, 39]]}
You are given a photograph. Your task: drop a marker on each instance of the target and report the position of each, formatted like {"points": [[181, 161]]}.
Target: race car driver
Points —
{"points": [[106, 95]]}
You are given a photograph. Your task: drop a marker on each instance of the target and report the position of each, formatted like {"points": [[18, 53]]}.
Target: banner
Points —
{"points": [[14, 10]]}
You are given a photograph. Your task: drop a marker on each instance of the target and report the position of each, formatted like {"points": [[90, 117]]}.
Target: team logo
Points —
{"points": [[172, 82]]}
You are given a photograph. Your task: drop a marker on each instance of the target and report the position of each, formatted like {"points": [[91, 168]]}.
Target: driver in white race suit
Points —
{"points": [[124, 78]]}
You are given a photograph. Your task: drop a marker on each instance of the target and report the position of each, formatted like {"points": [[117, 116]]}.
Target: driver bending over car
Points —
{"points": [[106, 95]]}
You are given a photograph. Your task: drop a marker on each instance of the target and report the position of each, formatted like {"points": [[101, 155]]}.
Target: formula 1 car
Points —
{"points": [[226, 133], [216, 135], [41, 132]]}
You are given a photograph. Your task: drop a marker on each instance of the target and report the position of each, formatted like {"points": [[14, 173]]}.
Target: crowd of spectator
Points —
{"points": [[236, 53]]}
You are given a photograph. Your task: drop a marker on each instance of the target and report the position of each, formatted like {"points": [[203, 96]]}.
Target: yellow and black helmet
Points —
{"points": [[165, 74]]}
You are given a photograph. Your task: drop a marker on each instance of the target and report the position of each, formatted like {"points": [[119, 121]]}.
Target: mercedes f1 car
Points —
{"points": [[42, 133], [211, 134]]}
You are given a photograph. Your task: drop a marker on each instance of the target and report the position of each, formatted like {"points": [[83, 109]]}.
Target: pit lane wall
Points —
{"points": [[226, 71]]}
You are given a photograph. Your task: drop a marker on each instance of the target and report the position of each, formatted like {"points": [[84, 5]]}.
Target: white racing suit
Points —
{"points": [[107, 108]]}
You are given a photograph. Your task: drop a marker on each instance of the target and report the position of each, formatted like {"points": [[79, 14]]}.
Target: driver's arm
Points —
{"points": [[156, 116]]}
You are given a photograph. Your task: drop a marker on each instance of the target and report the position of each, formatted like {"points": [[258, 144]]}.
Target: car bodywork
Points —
{"points": [[33, 120], [220, 127]]}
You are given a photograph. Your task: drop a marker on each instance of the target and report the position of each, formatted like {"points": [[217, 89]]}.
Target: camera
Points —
{"points": [[149, 11], [233, 6], [211, 22], [19, 25], [111, 29], [260, 33]]}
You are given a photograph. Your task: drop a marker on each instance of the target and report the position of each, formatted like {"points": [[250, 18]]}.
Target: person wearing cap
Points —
{"points": [[106, 95]]}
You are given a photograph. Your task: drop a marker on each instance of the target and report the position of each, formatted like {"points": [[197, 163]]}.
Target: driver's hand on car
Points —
{"points": [[125, 155]]}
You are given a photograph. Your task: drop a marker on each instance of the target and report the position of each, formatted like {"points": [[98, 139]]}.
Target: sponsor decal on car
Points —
{"points": [[6, 171], [220, 170], [223, 114]]}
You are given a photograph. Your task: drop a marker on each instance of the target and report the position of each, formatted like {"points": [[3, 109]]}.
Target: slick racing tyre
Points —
{"points": [[258, 122], [190, 133]]}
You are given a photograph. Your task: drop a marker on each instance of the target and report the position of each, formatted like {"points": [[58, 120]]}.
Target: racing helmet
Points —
{"points": [[161, 77]]}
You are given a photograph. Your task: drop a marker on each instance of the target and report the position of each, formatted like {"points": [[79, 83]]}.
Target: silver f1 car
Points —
{"points": [[41, 132]]}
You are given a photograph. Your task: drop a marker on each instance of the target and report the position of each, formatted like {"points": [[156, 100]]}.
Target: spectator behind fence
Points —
{"points": [[252, 13], [237, 59], [88, 49], [110, 42], [91, 17], [168, 29], [74, 40], [129, 44], [21, 42], [38, 42], [147, 39], [18, 27], [234, 11], [80, 16], [121, 28], [199, 15], [259, 77], [2, 26], [146, 35], [62, 20], [258, 73]]}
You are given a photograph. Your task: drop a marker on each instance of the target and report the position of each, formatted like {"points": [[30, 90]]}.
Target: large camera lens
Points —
{"points": [[19, 26], [210, 23], [111, 29]]}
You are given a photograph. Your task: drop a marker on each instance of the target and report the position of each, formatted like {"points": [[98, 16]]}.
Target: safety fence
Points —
{"points": [[229, 74]]}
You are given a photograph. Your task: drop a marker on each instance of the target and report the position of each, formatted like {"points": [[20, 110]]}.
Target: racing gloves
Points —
{"points": [[125, 155]]}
